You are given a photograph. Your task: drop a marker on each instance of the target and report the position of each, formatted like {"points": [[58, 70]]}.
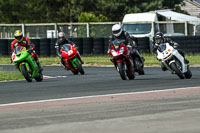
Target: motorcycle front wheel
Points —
{"points": [[177, 71], [26, 74], [79, 67], [121, 71]]}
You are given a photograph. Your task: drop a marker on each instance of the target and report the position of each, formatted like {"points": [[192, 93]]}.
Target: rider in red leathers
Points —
{"points": [[25, 41], [60, 42]]}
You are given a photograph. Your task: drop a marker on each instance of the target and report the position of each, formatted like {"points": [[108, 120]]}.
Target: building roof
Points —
{"points": [[177, 16]]}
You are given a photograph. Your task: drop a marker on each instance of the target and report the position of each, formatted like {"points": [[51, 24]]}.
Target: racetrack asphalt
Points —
{"points": [[96, 81], [172, 113]]}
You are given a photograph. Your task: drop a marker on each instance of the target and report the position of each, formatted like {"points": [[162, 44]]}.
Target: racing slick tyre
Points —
{"points": [[188, 74], [140, 67], [177, 71], [131, 75], [26, 74], [79, 67], [75, 72], [39, 77], [121, 70]]}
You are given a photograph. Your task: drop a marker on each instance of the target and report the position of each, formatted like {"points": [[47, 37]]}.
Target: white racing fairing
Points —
{"points": [[167, 54]]}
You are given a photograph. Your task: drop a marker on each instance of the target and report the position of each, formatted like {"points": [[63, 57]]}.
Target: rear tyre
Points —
{"points": [[79, 67], [75, 72], [26, 74], [39, 78], [177, 71], [139, 66], [188, 74], [121, 71], [131, 75]]}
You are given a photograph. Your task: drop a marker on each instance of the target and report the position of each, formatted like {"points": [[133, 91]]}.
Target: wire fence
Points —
{"points": [[75, 30]]}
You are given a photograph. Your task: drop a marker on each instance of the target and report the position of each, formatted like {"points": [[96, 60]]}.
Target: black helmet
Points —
{"points": [[158, 38]]}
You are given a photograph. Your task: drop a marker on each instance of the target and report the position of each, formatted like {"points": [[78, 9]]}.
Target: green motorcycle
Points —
{"points": [[26, 64]]}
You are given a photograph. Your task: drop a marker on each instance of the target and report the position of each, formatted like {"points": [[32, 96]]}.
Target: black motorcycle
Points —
{"points": [[138, 61]]}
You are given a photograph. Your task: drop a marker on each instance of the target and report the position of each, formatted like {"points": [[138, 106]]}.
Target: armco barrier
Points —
{"points": [[87, 46], [98, 46], [79, 44], [44, 47], [3, 47]]}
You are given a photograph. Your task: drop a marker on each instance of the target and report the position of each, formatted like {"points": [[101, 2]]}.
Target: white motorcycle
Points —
{"points": [[173, 61]]}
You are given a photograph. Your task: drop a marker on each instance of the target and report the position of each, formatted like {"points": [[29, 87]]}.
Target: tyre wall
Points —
{"points": [[99, 46]]}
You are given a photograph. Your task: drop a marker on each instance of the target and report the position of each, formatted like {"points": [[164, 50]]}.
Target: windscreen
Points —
{"points": [[18, 49], [162, 47], [137, 28], [66, 47], [117, 43]]}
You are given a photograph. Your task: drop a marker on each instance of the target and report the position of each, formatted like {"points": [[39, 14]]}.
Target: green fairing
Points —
{"points": [[74, 65], [27, 59]]}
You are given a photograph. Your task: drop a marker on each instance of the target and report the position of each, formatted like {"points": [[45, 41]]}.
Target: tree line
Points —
{"points": [[62, 11]]}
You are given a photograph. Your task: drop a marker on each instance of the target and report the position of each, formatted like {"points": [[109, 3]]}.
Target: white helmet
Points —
{"points": [[117, 30]]}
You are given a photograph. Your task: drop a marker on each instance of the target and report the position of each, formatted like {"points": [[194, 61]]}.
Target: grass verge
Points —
{"points": [[10, 75], [150, 60]]}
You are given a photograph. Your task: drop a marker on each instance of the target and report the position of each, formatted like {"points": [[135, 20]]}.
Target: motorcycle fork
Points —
{"points": [[27, 66]]}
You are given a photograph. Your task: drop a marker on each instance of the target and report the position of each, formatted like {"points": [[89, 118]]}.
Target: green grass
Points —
{"points": [[150, 60], [10, 75]]}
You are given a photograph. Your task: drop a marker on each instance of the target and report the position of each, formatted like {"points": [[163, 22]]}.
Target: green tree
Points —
{"points": [[91, 17], [48, 11]]}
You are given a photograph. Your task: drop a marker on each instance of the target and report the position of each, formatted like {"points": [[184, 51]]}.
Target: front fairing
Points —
{"points": [[164, 51], [118, 49], [20, 53], [68, 51], [21, 56]]}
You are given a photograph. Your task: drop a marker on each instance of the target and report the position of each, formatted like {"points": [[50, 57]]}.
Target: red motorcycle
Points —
{"points": [[122, 60], [71, 59]]}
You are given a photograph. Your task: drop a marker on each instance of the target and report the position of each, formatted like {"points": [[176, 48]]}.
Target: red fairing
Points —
{"points": [[66, 55], [120, 53]]}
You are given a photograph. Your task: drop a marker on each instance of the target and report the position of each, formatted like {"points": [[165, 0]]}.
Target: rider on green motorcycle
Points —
{"points": [[25, 41]]}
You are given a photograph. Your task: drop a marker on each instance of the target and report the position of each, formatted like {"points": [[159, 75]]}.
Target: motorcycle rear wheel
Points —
{"points": [[188, 74], [140, 67], [39, 77], [121, 71], [177, 71], [26, 74]]}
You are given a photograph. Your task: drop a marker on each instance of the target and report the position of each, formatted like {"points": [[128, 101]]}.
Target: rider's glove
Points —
{"points": [[30, 50]]}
